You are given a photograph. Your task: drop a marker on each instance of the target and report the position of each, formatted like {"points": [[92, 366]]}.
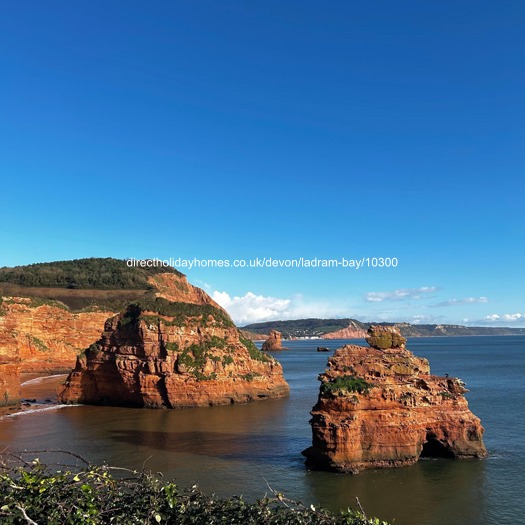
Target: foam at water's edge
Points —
{"points": [[37, 380], [38, 408]]}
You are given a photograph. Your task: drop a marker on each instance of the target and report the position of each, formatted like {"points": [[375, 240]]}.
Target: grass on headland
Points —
{"points": [[31, 492]]}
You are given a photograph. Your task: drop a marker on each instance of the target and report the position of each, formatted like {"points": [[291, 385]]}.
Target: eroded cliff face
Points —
{"points": [[46, 337], [352, 331], [381, 407], [159, 353], [176, 288], [9, 363]]}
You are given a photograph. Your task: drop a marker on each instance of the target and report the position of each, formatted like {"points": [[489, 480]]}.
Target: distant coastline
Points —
{"points": [[353, 329]]}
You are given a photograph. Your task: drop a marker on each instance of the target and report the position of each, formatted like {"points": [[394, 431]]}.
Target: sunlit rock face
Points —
{"points": [[381, 407], [175, 349]]}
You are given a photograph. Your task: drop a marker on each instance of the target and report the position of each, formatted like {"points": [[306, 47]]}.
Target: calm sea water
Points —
{"points": [[237, 449]]}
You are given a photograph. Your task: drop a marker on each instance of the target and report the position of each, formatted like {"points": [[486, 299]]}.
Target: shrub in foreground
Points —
{"points": [[31, 493]]}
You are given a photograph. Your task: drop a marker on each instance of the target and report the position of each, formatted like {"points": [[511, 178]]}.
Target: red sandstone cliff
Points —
{"points": [[352, 331], [166, 353], [9, 362], [381, 407], [48, 337]]}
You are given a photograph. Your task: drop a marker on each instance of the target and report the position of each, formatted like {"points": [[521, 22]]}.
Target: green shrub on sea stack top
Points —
{"points": [[345, 385]]}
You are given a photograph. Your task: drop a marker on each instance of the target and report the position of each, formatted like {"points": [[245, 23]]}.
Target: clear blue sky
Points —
{"points": [[241, 129]]}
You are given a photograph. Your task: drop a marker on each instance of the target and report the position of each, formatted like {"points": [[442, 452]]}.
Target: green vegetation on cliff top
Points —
{"points": [[81, 284], [179, 312], [93, 273]]}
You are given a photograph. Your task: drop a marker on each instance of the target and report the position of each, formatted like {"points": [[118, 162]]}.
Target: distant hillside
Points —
{"points": [[431, 330], [323, 327], [303, 327], [82, 283]]}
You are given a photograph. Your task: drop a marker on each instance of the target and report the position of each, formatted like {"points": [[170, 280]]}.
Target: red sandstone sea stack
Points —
{"points": [[274, 342], [381, 407], [174, 354]]}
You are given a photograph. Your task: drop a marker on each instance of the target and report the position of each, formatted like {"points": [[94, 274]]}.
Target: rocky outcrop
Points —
{"points": [[274, 342], [9, 362], [47, 336], [383, 337], [160, 353], [381, 407], [352, 331]]}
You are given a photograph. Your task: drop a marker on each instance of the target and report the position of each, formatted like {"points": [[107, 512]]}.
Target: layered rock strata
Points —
{"points": [[381, 407], [9, 363], [46, 337], [160, 353]]}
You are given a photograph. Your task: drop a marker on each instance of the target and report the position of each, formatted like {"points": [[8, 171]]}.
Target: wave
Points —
{"points": [[38, 408], [37, 380]]}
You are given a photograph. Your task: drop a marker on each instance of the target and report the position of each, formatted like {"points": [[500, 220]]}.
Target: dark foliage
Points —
{"points": [[93, 273], [33, 493], [179, 312]]}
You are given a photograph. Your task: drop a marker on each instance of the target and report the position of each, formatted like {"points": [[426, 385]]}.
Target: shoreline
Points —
{"points": [[29, 402]]}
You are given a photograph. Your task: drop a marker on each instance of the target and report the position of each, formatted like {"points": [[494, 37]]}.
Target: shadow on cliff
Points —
{"points": [[263, 448]]}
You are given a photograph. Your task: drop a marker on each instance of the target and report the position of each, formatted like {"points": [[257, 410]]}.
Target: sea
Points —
{"points": [[251, 449]]}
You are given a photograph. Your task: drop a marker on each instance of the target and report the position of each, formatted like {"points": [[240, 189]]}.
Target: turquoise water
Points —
{"points": [[237, 449]]}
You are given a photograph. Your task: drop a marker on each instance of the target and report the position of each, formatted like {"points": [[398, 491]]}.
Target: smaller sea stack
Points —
{"points": [[274, 342]]}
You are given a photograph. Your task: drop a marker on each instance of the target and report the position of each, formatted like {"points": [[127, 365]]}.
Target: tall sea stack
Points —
{"points": [[174, 349], [381, 407]]}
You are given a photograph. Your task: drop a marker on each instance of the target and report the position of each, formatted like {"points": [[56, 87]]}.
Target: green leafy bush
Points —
{"points": [[172, 347], [227, 360], [346, 384], [179, 312], [32, 493], [254, 352]]}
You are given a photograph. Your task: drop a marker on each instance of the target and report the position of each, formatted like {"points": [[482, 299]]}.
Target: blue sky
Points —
{"points": [[241, 129]]}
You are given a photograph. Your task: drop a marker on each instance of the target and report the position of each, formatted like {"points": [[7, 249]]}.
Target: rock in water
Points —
{"points": [[381, 407], [173, 353], [274, 342]]}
